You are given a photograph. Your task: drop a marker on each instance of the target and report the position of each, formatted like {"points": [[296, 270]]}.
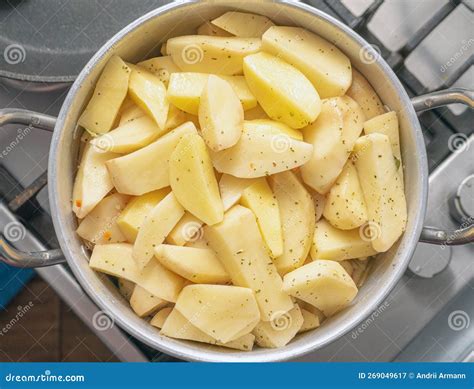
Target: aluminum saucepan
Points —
{"points": [[142, 39]]}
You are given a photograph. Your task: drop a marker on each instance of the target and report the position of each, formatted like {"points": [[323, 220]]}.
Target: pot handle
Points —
{"points": [[430, 101], [9, 254]]}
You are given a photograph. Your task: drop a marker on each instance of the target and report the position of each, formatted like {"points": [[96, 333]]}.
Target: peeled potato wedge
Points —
{"points": [[109, 93], [199, 53], [131, 113], [144, 303], [188, 229], [363, 93], [193, 180], [242, 24], [160, 317], [310, 321], [256, 112], [271, 79], [161, 67], [126, 288], [383, 190], [324, 284], [209, 29], [327, 67], [231, 189], [221, 116], [147, 169], [115, 259], [283, 128]]}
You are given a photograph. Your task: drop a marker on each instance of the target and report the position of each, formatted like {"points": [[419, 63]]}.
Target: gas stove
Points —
{"points": [[430, 46]]}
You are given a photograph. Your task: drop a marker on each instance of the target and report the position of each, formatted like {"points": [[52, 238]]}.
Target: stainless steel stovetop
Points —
{"points": [[430, 44]]}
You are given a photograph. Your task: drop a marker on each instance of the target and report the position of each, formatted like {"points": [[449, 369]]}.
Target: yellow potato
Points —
{"points": [[189, 228], [185, 89], [100, 225], [126, 288], [339, 245], [147, 169], [160, 317], [115, 259], [222, 55], [363, 93], [162, 67], [199, 266], [345, 206], [255, 113], [297, 219], [222, 312], [131, 218], [109, 93], [221, 116], [283, 128], [244, 25], [333, 136], [324, 284], [263, 203], [327, 67], [155, 227], [383, 190], [284, 93], [193, 181], [231, 189], [261, 151], [131, 113], [209, 29], [310, 321], [144, 303], [240, 248]]}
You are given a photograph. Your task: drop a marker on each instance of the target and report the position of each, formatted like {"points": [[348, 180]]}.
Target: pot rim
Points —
{"points": [[180, 349]]}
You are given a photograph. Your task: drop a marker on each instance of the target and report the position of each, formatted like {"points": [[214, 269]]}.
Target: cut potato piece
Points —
{"points": [[200, 266], [280, 330], [221, 116], [131, 113], [177, 326], [161, 67], [199, 53], [199, 243], [255, 113], [156, 226], [311, 309], [244, 25], [93, 181], [147, 169], [222, 312], [115, 259], [363, 93], [261, 200], [310, 321], [131, 218], [324, 284], [272, 80], [109, 93], [339, 245], [193, 181], [387, 124], [274, 125], [246, 260], [185, 90], [149, 93], [327, 67], [231, 189], [345, 206], [297, 219], [333, 136], [126, 288], [188, 229], [144, 303], [261, 151], [160, 317], [319, 202], [100, 225], [131, 136], [209, 29], [383, 191]]}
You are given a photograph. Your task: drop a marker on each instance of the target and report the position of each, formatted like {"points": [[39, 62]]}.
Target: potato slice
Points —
{"points": [[261, 151], [339, 245], [271, 79], [109, 93], [177, 326], [161, 67], [199, 266], [220, 311], [310, 321], [144, 303], [387, 124], [126, 288], [319, 202], [240, 248], [242, 24], [209, 29], [274, 125], [131, 113], [324, 284], [333, 136], [345, 206], [231, 189], [100, 225], [327, 67], [383, 191], [160, 317], [115, 259], [363, 93], [156, 226], [188, 229], [255, 113], [221, 116], [199, 53], [149, 93], [297, 219], [280, 330], [193, 181], [185, 90], [93, 181], [131, 218], [147, 169], [263, 203]]}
